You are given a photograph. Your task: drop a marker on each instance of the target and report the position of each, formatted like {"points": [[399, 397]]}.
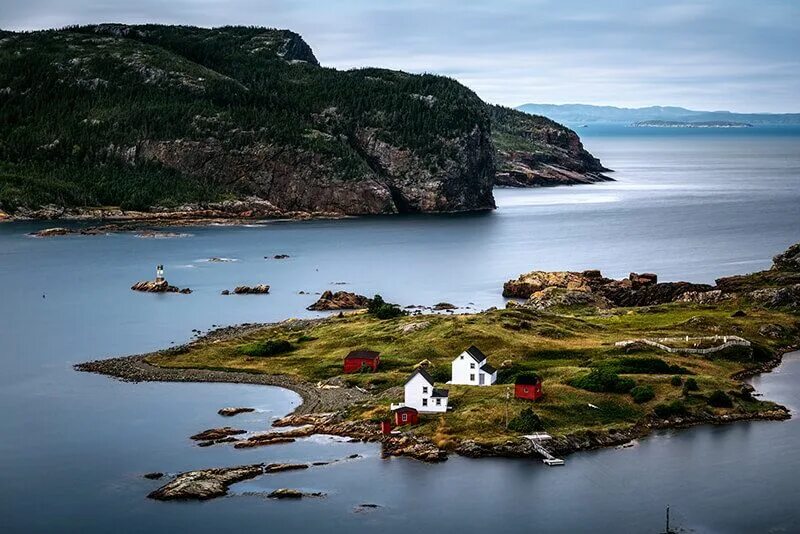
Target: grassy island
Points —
{"points": [[590, 383]]}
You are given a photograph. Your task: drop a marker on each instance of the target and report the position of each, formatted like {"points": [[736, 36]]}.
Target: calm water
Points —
{"points": [[73, 446]]}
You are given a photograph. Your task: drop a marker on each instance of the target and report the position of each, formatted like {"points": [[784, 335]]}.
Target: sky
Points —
{"points": [[737, 55]]}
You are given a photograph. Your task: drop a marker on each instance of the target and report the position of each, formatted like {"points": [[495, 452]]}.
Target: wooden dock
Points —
{"points": [[536, 440]]}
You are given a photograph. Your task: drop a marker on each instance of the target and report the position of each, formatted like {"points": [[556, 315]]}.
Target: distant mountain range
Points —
{"points": [[579, 114]]}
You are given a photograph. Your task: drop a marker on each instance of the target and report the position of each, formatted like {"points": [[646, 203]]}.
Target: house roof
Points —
{"points": [[528, 379], [440, 392], [476, 353], [486, 368], [405, 409], [362, 355], [423, 373]]}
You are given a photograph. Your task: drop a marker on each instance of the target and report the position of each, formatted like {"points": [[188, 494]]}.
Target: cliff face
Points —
{"points": [[142, 116], [533, 151]]}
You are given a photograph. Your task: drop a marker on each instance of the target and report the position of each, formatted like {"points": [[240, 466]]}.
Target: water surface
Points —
{"points": [[73, 446]]}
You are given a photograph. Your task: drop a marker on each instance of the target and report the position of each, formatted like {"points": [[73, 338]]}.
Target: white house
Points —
{"points": [[422, 396], [471, 368]]}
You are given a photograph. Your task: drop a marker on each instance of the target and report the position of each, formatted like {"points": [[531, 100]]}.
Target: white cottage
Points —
{"points": [[422, 396], [471, 368]]}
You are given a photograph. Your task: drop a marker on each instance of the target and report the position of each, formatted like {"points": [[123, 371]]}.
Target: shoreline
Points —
{"points": [[320, 406]]}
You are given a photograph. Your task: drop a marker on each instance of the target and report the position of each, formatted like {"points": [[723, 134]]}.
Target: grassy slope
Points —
{"points": [[559, 347]]}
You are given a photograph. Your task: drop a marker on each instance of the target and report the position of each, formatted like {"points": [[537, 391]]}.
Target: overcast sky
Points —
{"points": [[740, 55]]}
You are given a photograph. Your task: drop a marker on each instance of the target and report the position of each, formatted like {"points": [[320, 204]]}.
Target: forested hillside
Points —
{"points": [[144, 116]]}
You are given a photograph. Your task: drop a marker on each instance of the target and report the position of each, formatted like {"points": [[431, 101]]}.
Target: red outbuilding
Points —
{"points": [[361, 360], [406, 416], [528, 386]]}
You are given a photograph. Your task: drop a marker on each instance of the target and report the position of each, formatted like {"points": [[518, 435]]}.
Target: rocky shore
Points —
{"points": [[321, 413]]}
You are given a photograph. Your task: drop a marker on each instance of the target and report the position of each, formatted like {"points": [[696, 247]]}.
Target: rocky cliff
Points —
{"points": [[143, 116], [184, 121], [533, 151]]}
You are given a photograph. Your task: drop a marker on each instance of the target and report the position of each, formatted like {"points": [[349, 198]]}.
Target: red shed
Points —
{"points": [[361, 359], [406, 416], [528, 386]]}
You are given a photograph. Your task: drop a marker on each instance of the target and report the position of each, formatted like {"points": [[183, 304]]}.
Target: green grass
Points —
{"points": [[481, 413]]}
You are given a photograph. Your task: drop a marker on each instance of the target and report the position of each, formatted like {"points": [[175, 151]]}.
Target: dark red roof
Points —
{"points": [[528, 379], [406, 409], [362, 355]]}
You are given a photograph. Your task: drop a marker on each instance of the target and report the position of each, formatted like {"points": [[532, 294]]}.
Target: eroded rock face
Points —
{"points": [[544, 153], [341, 300], [206, 483], [778, 297], [566, 288], [554, 297], [704, 297], [788, 260]]}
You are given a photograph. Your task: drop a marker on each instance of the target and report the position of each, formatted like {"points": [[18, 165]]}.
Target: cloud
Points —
{"points": [[736, 54]]}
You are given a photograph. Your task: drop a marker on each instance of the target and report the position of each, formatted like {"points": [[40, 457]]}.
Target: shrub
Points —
{"points": [[690, 385], [719, 399], [676, 381], [440, 373], [270, 347], [303, 338], [526, 421], [674, 408], [382, 309], [642, 394], [603, 380], [655, 366]]}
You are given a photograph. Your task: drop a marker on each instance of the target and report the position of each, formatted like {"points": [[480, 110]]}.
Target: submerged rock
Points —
{"points": [[229, 412], [206, 483], [286, 493], [217, 433], [277, 468], [341, 300], [153, 476]]}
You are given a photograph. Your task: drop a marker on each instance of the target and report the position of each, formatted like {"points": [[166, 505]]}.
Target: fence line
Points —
{"points": [[727, 341]]}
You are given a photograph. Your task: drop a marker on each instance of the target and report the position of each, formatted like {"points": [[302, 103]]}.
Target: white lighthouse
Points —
{"points": [[160, 273]]}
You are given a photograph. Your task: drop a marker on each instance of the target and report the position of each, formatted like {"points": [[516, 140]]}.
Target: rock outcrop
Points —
{"points": [[340, 300], [158, 286], [261, 289], [533, 151], [205, 483], [590, 288]]}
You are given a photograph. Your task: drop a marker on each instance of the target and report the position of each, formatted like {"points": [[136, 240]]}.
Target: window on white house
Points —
{"points": [[438, 402], [424, 389], [472, 378], [460, 357], [424, 402], [472, 366]]}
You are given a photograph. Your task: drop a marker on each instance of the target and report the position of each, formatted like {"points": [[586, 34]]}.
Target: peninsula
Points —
{"points": [[616, 359]]}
